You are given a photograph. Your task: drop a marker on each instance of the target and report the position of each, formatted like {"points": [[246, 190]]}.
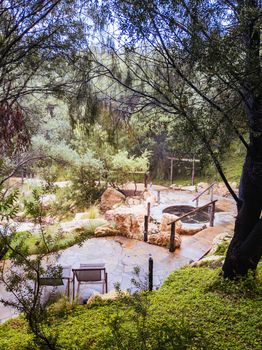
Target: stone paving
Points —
{"points": [[121, 255]]}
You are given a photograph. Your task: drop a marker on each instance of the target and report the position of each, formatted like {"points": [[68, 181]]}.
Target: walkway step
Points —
{"points": [[196, 246]]}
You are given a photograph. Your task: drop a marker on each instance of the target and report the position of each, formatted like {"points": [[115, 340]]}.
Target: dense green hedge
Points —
{"points": [[195, 309]]}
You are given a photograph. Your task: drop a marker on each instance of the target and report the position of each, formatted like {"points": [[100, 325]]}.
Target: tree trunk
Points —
{"points": [[245, 249]]}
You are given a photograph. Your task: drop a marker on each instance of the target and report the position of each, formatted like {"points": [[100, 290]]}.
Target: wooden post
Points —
{"points": [[150, 274], [146, 179], [171, 171], [197, 202], [193, 171], [158, 197], [68, 288], [193, 161], [172, 245], [73, 285], [22, 176], [106, 279], [148, 210], [145, 228], [211, 193], [212, 214]]}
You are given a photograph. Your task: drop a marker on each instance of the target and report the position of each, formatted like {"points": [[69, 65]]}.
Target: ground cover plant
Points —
{"points": [[34, 210], [194, 309], [60, 240]]}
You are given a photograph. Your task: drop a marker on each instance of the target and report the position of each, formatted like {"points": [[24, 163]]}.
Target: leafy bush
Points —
{"points": [[85, 182], [8, 209], [124, 168], [92, 213], [61, 306], [65, 205], [194, 309], [222, 248]]}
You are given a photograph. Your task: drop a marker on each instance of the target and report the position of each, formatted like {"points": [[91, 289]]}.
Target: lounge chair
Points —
{"points": [[90, 274], [58, 281]]}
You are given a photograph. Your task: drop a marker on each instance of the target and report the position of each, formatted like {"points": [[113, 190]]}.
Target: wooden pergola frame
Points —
{"points": [[192, 160]]}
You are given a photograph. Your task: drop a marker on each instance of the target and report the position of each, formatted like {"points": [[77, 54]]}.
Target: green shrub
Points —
{"points": [[194, 309], [65, 205], [60, 241], [93, 213], [222, 248], [124, 168], [61, 307]]}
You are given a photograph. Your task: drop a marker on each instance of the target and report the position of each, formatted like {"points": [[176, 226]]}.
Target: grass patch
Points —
{"points": [[92, 213], [194, 309], [233, 167], [58, 240], [181, 181], [222, 248]]}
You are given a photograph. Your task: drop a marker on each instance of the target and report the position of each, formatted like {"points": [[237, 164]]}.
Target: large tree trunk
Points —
{"points": [[245, 249]]}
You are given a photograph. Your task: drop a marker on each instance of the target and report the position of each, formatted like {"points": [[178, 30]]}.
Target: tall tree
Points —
{"points": [[34, 36], [187, 57], [34, 45]]}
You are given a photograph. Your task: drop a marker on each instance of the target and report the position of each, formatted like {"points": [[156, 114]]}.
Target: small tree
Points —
{"points": [[22, 276], [124, 168]]}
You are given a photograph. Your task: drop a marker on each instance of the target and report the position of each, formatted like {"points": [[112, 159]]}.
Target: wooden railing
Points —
{"points": [[212, 206], [211, 188]]}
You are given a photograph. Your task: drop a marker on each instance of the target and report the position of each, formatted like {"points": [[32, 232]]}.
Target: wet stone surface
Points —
{"points": [[121, 255]]}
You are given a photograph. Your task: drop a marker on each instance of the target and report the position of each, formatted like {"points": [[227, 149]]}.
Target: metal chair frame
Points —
{"points": [[90, 274]]}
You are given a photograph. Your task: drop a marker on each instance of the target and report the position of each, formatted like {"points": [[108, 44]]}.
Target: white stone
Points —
{"points": [[47, 200], [27, 226], [222, 237], [212, 261]]}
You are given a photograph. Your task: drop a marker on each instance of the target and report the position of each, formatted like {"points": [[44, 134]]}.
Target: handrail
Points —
{"points": [[204, 191], [193, 211], [172, 243], [201, 193]]}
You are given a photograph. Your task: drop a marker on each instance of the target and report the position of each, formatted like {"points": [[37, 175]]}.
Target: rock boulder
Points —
{"points": [[128, 225], [212, 261], [110, 198], [134, 200], [163, 239], [189, 230], [107, 230], [139, 211], [166, 220], [223, 237], [129, 221]]}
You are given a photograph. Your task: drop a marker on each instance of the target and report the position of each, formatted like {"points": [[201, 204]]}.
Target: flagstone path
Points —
{"points": [[122, 255]]}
